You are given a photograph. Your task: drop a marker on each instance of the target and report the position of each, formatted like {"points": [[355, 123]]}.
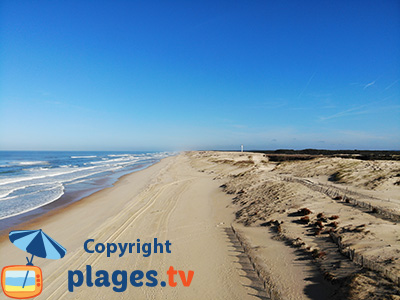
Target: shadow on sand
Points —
{"points": [[246, 266]]}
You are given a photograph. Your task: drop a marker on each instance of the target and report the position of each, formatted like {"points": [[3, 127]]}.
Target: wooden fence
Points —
{"points": [[259, 266], [361, 260], [335, 192]]}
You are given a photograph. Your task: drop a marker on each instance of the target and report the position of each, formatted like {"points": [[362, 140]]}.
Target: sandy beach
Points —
{"points": [[200, 150], [235, 220], [169, 200]]}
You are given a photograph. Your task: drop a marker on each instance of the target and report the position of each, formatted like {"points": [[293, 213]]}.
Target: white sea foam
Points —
{"points": [[39, 186], [20, 209], [32, 163], [22, 179], [51, 187], [8, 192], [115, 160]]}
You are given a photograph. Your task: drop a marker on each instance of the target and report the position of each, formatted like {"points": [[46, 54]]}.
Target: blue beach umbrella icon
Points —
{"points": [[37, 243]]}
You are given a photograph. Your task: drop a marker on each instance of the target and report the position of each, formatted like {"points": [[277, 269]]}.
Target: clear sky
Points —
{"points": [[175, 75]]}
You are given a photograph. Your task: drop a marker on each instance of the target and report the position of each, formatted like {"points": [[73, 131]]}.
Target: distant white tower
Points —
{"points": [[241, 148]]}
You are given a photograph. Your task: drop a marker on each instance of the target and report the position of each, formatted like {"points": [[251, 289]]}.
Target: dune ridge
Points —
{"points": [[303, 203]]}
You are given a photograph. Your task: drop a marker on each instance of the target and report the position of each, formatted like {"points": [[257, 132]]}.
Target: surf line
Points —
{"points": [[146, 249]]}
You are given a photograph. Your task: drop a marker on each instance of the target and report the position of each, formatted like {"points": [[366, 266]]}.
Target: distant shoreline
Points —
{"points": [[68, 198]]}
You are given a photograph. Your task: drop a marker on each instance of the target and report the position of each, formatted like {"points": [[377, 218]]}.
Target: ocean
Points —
{"points": [[32, 179]]}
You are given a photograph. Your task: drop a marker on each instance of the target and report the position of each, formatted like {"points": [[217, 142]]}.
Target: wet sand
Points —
{"points": [[168, 201]]}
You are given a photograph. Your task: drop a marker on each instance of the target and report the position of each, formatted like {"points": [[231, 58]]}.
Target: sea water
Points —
{"points": [[31, 179]]}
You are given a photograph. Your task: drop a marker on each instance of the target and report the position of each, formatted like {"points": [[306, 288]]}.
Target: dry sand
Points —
{"points": [[269, 196], [180, 199], [169, 200]]}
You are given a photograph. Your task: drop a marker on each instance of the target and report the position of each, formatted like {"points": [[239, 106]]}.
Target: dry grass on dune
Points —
{"points": [[262, 198], [366, 174]]}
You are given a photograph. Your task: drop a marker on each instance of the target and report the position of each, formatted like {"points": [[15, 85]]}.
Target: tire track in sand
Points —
{"points": [[74, 262]]}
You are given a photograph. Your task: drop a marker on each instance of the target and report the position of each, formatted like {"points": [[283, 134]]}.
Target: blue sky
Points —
{"points": [[176, 75]]}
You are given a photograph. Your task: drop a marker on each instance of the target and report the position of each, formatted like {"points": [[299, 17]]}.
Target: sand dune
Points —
{"points": [[247, 227], [269, 197], [169, 201]]}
